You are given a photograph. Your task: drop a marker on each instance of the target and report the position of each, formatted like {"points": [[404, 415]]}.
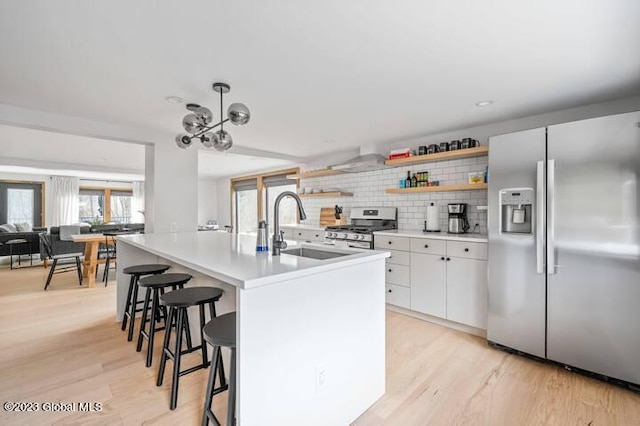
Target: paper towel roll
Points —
{"points": [[433, 218]]}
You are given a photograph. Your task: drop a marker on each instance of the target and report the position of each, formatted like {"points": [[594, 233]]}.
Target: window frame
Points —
{"points": [[261, 190], [106, 193], [42, 185]]}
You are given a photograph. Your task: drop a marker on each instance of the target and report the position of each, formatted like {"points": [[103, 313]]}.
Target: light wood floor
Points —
{"points": [[63, 345]]}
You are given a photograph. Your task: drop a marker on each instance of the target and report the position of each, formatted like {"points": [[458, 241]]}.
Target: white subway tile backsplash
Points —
{"points": [[368, 189]]}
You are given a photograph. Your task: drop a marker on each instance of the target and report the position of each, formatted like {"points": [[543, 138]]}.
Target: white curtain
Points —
{"points": [[137, 203], [65, 193]]}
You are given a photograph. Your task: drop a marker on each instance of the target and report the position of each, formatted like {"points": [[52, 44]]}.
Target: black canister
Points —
{"points": [[454, 145], [464, 143], [444, 146], [432, 149], [422, 150]]}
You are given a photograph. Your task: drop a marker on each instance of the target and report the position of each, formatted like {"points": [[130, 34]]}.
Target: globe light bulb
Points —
{"points": [[192, 123], [209, 139], [224, 141], [183, 141], [238, 114], [204, 114]]}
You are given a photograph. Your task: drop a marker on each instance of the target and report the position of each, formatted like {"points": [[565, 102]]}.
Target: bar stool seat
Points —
{"points": [[155, 285], [131, 306], [178, 301], [219, 332]]}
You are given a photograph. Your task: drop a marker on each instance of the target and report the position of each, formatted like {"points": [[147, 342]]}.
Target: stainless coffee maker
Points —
{"points": [[458, 223]]}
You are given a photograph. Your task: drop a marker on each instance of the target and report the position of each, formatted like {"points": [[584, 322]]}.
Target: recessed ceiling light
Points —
{"points": [[174, 99], [484, 103]]}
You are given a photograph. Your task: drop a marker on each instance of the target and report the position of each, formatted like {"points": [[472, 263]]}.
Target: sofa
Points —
{"points": [[32, 246], [63, 247]]}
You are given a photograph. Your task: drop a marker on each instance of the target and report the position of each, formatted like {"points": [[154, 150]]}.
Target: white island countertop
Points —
{"points": [[232, 258], [417, 233]]}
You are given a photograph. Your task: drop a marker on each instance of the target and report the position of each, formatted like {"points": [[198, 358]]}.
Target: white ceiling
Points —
{"points": [[349, 72], [213, 164], [38, 151]]}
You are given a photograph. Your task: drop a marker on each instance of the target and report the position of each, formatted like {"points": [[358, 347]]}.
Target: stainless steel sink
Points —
{"points": [[314, 253]]}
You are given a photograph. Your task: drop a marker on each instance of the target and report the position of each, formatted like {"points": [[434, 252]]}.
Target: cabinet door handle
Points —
{"points": [[389, 242], [389, 290], [426, 246], [448, 259], [442, 258], [466, 250], [389, 270]]}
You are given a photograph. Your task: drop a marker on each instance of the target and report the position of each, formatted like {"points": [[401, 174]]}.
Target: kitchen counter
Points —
{"points": [[293, 313], [416, 233], [232, 257]]}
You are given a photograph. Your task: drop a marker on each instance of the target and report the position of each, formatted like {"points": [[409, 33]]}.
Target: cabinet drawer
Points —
{"points": [[428, 246], [315, 236], [300, 234], [398, 274], [288, 234], [391, 243], [398, 295], [399, 257], [467, 250]]}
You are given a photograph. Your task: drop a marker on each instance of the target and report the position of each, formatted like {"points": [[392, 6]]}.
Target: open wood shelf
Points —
{"points": [[442, 188], [440, 156], [327, 194]]}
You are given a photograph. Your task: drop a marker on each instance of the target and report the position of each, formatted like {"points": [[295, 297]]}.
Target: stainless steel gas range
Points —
{"points": [[364, 222]]}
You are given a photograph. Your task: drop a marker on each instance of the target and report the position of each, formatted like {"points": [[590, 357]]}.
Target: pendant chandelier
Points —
{"points": [[198, 125]]}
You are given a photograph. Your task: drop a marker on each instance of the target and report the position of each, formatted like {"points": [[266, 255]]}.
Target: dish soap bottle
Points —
{"points": [[262, 240]]}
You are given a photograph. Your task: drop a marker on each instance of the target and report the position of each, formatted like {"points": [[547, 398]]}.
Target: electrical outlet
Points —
{"points": [[321, 378]]}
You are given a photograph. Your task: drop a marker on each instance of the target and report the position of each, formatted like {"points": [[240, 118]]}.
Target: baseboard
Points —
{"points": [[439, 321]]}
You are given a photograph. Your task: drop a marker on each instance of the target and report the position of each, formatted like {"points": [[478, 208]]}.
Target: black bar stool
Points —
{"points": [[219, 332], [155, 286], [131, 308], [178, 301]]}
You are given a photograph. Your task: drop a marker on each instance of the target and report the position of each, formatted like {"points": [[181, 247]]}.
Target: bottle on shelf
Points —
{"points": [[407, 182], [414, 181]]}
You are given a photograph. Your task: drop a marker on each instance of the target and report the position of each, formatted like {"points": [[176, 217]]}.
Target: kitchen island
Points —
{"points": [[310, 332]]}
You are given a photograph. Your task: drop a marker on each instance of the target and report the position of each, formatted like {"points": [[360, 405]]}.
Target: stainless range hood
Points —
{"points": [[362, 163]]}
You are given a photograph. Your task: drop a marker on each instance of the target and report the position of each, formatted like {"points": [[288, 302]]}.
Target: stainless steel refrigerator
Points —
{"points": [[564, 244]]}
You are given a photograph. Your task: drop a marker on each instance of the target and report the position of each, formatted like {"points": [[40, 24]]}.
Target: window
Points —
{"points": [[246, 205], [275, 186], [105, 205], [21, 202], [92, 206], [254, 199], [121, 206]]}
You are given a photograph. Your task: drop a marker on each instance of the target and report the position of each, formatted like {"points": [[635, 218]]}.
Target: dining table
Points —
{"points": [[91, 261]]}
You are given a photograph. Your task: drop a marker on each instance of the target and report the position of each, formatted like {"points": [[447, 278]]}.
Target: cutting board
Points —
{"points": [[327, 217]]}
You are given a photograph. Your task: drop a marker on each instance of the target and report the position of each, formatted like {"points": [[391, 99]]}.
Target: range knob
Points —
{"points": [[345, 236], [361, 237]]}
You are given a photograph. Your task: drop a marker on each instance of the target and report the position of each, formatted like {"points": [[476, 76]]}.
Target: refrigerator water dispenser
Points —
{"points": [[516, 212]]}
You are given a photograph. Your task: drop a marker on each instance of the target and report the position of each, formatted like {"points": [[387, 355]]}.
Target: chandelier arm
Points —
{"points": [[221, 120], [206, 129]]}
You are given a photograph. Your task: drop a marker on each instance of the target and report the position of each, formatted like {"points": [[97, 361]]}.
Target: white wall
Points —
{"points": [[224, 203], [207, 200], [171, 188]]}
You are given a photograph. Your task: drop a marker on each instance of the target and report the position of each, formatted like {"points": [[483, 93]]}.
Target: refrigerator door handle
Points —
{"points": [[540, 208], [551, 194]]}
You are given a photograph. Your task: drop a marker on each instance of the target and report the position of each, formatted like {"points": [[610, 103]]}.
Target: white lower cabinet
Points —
{"points": [[429, 284], [398, 295], [441, 278], [467, 291]]}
